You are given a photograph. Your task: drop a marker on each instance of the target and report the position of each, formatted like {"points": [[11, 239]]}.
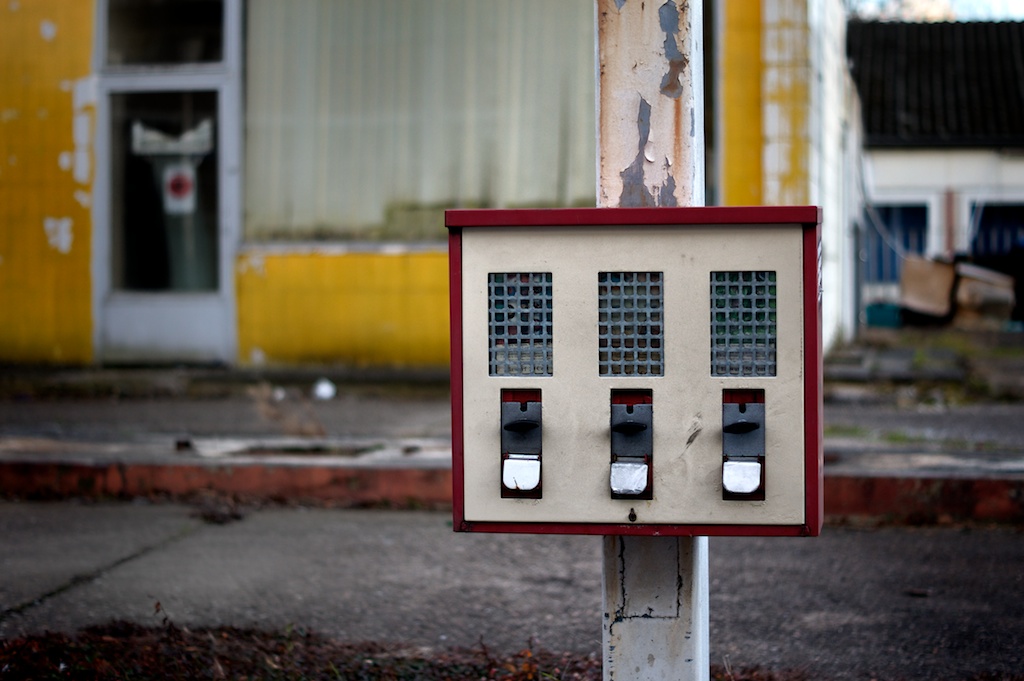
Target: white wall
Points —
{"points": [[835, 149], [926, 176], [811, 130]]}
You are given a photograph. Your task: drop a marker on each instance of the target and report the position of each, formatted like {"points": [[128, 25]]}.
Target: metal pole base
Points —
{"points": [[655, 622]]}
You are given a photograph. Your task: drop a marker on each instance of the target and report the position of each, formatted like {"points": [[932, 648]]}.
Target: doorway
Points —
{"points": [[167, 195]]}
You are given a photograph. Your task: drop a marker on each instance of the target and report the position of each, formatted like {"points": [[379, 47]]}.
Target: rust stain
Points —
{"points": [[637, 55]]}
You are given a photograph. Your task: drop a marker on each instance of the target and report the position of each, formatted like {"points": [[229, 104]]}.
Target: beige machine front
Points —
{"points": [[670, 337]]}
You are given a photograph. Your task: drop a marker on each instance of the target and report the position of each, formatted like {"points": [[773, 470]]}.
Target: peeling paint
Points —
{"points": [[671, 85], [635, 192], [48, 30], [253, 263], [619, 4], [49, 44], [82, 125], [647, 142], [667, 192], [83, 98], [785, 125], [59, 234], [83, 166], [84, 92]]}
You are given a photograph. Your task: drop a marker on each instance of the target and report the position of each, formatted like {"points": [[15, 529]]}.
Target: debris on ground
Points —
{"points": [[122, 650]]}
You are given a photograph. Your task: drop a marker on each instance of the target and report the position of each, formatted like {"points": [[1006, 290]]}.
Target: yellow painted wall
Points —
{"points": [[787, 73], [765, 83], [740, 87], [360, 309], [300, 306], [45, 180]]}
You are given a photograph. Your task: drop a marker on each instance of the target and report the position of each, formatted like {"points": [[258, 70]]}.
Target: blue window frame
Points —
{"points": [[1000, 227], [903, 230]]}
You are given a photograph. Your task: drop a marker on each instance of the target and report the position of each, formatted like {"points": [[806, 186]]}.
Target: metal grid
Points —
{"points": [[519, 323], [630, 314], [743, 324]]}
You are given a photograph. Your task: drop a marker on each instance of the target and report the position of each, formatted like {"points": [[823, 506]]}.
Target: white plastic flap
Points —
{"points": [[521, 474], [741, 477], [629, 478]]}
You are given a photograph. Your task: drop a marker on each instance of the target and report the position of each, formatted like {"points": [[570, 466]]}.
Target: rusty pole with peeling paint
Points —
{"points": [[651, 153], [650, 103]]}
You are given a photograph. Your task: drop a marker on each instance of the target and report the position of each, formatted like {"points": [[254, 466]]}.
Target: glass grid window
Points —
{"points": [[743, 324], [519, 323], [630, 319]]}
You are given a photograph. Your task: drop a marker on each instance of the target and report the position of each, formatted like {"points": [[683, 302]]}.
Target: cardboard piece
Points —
{"points": [[926, 286]]}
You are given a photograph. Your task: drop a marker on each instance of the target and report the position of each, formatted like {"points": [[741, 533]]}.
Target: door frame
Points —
{"points": [[146, 327]]}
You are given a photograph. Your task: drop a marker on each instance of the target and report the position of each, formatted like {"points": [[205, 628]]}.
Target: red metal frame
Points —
{"points": [[455, 324], [809, 217], [520, 395], [742, 396], [629, 396], [633, 217], [814, 461]]}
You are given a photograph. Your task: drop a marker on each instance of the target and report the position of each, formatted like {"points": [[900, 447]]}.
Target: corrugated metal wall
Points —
{"points": [[362, 116]]}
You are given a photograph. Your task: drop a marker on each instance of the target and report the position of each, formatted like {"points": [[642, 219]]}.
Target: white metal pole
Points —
{"points": [[650, 119]]}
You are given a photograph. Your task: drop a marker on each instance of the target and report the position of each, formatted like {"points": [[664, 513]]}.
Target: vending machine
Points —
{"points": [[638, 371]]}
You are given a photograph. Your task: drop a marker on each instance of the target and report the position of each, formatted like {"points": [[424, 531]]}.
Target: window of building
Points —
{"points": [[997, 231], [164, 31], [894, 232], [164, 182], [164, 142]]}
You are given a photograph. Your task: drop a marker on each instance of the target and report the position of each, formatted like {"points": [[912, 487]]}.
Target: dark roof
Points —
{"points": [[939, 84]]}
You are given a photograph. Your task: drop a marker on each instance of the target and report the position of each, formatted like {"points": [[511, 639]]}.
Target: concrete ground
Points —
{"points": [[231, 488], [854, 603]]}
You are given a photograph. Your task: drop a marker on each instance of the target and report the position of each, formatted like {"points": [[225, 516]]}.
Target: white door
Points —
{"points": [[167, 193]]}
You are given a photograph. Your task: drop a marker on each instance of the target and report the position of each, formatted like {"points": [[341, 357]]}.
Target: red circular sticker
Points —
{"points": [[179, 185]]}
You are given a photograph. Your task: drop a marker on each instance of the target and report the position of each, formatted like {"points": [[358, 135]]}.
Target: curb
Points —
{"points": [[925, 500], [339, 486], [897, 500]]}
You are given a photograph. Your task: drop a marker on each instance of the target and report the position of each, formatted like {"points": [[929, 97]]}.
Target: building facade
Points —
{"points": [[944, 144], [790, 130], [263, 183]]}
